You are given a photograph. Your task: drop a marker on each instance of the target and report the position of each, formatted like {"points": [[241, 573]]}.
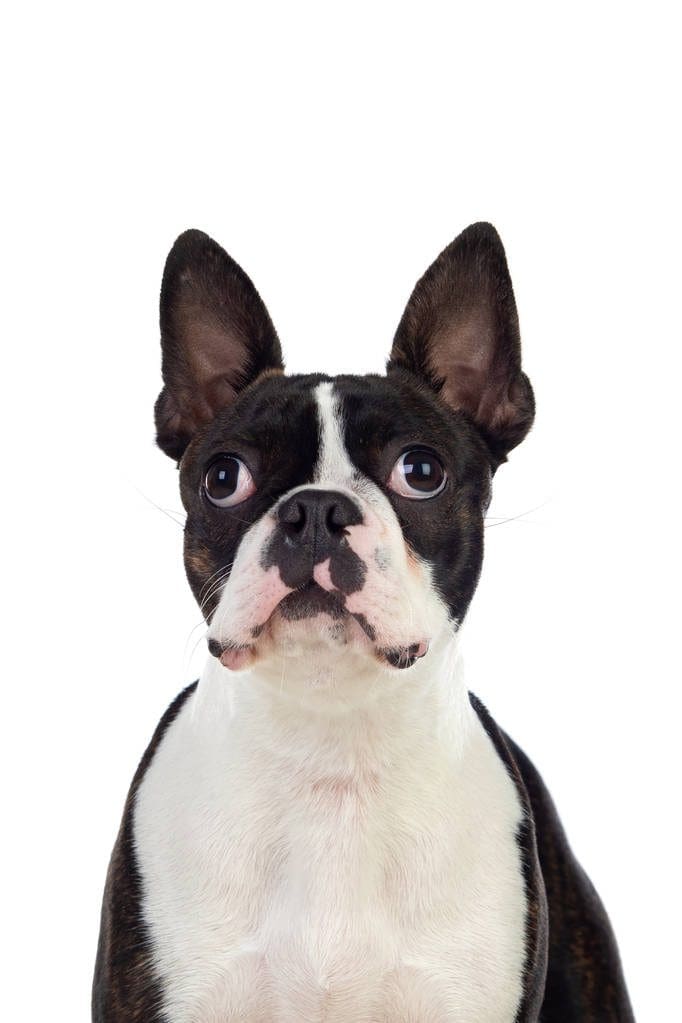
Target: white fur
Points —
{"points": [[334, 467], [350, 867], [338, 846]]}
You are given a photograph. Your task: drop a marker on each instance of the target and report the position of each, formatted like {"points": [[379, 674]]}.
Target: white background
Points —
{"points": [[334, 150]]}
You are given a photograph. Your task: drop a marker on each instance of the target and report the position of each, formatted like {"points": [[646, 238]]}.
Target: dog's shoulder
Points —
{"points": [[567, 926], [537, 930], [584, 972], [123, 987]]}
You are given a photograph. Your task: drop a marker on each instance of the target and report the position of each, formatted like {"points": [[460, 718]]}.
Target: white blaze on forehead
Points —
{"points": [[333, 463]]}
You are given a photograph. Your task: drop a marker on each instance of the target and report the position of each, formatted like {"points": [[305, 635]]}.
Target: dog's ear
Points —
{"points": [[460, 332], [216, 337]]}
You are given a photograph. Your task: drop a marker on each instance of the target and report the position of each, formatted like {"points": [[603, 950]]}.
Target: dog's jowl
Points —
{"points": [[327, 826]]}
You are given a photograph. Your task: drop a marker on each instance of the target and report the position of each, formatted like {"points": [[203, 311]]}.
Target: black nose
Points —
{"points": [[312, 529], [318, 517]]}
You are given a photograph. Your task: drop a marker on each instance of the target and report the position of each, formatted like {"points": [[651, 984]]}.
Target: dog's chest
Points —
{"points": [[276, 890]]}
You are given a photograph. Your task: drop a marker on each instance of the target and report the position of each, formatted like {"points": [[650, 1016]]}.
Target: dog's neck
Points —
{"points": [[382, 720]]}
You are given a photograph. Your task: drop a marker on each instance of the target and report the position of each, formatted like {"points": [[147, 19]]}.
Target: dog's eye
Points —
{"points": [[228, 481], [417, 474]]}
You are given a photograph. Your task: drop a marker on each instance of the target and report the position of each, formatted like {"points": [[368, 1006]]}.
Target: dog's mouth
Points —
{"points": [[309, 603]]}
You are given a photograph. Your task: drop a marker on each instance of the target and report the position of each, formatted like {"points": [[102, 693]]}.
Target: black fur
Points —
{"points": [[125, 989], [584, 979]]}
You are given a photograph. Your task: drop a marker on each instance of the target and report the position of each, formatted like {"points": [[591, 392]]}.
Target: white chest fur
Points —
{"points": [[359, 868]]}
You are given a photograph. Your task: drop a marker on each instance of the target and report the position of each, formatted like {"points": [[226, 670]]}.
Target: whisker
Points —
{"points": [[187, 657], [180, 515], [188, 660], [214, 589], [199, 625], [211, 577], [513, 518], [222, 571], [164, 511], [237, 518]]}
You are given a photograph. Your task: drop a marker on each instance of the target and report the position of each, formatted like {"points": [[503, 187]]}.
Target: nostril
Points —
{"points": [[336, 521], [293, 514]]}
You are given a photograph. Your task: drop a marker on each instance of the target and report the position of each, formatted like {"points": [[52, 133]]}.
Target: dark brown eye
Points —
{"points": [[417, 474], [228, 481]]}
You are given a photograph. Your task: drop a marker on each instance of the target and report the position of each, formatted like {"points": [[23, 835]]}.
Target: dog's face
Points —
{"points": [[337, 516]]}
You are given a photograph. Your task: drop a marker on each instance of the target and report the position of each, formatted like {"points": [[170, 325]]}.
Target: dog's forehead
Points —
{"points": [[291, 399], [305, 413], [370, 409]]}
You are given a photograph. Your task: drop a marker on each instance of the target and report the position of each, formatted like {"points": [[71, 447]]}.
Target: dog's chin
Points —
{"points": [[311, 625], [319, 631]]}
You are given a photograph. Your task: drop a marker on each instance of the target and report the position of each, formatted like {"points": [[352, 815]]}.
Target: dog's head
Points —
{"points": [[329, 515]]}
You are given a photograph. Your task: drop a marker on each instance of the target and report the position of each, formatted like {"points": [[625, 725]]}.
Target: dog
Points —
{"points": [[327, 826]]}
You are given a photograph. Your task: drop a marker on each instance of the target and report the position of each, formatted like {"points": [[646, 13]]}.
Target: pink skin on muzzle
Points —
{"points": [[384, 605]]}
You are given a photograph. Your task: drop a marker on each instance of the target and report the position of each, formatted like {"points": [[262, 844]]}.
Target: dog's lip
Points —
{"points": [[307, 601], [237, 656], [313, 599], [406, 656], [231, 655]]}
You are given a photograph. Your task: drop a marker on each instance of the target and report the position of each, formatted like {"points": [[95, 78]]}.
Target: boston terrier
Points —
{"points": [[328, 827]]}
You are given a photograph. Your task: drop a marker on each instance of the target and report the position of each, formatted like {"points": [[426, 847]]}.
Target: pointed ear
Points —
{"points": [[216, 337], [460, 332]]}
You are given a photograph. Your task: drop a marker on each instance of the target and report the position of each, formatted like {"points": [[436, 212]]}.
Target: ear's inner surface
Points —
{"points": [[460, 332], [216, 337]]}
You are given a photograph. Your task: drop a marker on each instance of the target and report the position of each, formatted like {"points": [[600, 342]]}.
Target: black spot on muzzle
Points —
{"points": [[311, 529]]}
